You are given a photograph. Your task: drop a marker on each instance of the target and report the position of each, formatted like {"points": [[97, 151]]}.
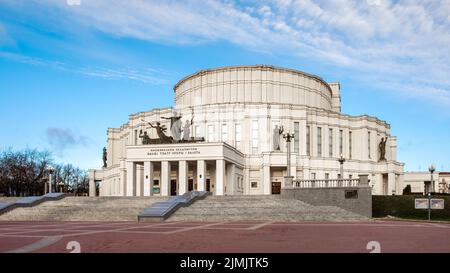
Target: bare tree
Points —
{"points": [[24, 173]]}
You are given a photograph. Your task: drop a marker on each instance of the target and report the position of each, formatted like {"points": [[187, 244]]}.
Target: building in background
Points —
{"points": [[225, 135], [420, 182]]}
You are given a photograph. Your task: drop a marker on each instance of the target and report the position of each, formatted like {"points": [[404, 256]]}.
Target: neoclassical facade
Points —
{"points": [[232, 121]]}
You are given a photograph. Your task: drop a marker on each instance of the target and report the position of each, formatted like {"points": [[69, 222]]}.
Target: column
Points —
{"points": [[92, 190], [294, 170], [183, 176], [391, 183], [379, 184], [165, 178], [267, 183], [131, 177], [231, 179], [148, 178], [220, 176], [139, 180], [201, 173], [122, 182], [50, 182]]}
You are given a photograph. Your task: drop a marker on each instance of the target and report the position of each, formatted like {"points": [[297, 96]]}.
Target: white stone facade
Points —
{"points": [[421, 182], [236, 110]]}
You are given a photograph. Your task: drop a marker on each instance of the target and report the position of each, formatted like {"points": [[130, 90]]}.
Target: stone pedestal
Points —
{"points": [[287, 182], [364, 180]]}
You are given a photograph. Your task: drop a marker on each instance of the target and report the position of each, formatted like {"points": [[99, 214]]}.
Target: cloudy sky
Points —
{"points": [[69, 69]]}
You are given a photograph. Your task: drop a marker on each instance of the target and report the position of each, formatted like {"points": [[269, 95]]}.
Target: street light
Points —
{"points": [[288, 138], [431, 169], [50, 171], [341, 161]]}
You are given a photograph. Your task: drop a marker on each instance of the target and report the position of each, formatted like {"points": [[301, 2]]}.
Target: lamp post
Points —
{"points": [[288, 138], [50, 170], [341, 162], [431, 169]]}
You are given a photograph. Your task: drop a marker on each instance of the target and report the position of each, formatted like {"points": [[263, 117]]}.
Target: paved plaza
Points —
{"points": [[223, 237]]}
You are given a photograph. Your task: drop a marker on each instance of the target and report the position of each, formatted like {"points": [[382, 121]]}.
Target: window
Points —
{"points": [[255, 136], [211, 133], [313, 176], [330, 142], [197, 131], [350, 176], [297, 137], [327, 176], [341, 142], [319, 141], [368, 144], [339, 176], [351, 194], [237, 136], [224, 133], [254, 184], [308, 140], [350, 144], [136, 137]]}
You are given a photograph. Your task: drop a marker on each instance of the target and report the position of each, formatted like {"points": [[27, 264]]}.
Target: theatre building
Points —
{"points": [[226, 134]]}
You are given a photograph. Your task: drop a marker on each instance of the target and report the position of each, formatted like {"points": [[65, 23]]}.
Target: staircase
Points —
{"points": [[84, 209], [9, 199], [268, 207]]}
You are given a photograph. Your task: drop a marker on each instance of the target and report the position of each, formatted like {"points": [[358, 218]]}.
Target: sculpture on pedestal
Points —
{"points": [[145, 138], [160, 130], [187, 128], [277, 132], [105, 157], [175, 126], [382, 149]]}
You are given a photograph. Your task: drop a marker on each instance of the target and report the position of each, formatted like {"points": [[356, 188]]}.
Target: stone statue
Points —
{"points": [[277, 131], [175, 126], [382, 148], [105, 157], [187, 130], [145, 138], [160, 130]]}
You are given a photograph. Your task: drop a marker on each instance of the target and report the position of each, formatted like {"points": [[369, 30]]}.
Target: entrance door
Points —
{"points": [[208, 184], [191, 185], [173, 187], [276, 187]]}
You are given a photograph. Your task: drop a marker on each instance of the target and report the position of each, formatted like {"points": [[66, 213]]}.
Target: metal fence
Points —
{"points": [[326, 183]]}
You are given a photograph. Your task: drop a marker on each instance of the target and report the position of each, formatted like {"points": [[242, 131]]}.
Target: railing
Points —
{"points": [[326, 183]]}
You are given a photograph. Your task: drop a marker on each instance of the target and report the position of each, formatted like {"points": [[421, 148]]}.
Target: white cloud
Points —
{"points": [[5, 39], [73, 2], [147, 75], [61, 139], [391, 41]]}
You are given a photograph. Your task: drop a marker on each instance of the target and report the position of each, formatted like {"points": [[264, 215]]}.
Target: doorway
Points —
{"points": [[191, 185], [208, 185], [173, 187], [276, 187]]}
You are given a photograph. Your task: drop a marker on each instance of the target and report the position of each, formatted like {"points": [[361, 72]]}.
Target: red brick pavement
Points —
{"points": [[224, 237]]}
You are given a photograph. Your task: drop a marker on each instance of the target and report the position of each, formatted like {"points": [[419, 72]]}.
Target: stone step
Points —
{"points": [[85, 208], [260, 208]]}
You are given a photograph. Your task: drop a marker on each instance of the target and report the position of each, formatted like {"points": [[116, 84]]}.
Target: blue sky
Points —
{"points": [[69, 69]]}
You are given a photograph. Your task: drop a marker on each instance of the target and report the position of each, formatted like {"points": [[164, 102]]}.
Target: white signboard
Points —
{"points": [[422, 203], [437, 203]]}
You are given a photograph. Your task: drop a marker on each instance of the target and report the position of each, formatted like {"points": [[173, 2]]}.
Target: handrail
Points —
{"points": [[31, 201], [160, 211], [326, 183]]}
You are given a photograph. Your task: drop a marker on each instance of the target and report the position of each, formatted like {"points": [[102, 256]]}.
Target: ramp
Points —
{"points": [[160, 211]]}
